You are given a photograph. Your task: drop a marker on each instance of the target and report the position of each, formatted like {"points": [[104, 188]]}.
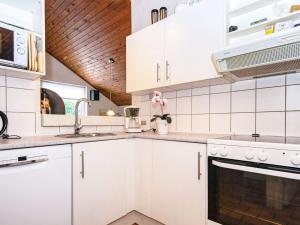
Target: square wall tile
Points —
{"points": [[293, 124], [200, 91], [292, 98], [184, 93], [220, 123], [104, 129], [293, 78], [220, 88], [271, 99], [200, 123], [270, 123], [2, 81], [171, 94], [243, 101], [22, 124], [145, 108], [48, 131], [243, 123], [2, 99], [200, 104], [21, 83], [89, 129], [21, 100], [184, 123], [145, 98], [173, 125], [220, 103], [66, 130], [184, 106], [171, 106], [271, 81], [243, 85]]}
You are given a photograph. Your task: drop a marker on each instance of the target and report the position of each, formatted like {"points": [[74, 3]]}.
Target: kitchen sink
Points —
{"points": [[85, 135]]}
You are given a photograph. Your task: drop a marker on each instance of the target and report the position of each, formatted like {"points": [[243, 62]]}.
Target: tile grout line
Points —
{"points": [[255, 109]]}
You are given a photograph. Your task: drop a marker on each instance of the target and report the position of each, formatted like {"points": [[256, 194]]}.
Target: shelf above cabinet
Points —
{"points": [[20, 73]]}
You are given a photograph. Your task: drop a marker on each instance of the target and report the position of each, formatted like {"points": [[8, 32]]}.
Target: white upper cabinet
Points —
{"points": [[191, 37], [178, 49], [145, 58]]}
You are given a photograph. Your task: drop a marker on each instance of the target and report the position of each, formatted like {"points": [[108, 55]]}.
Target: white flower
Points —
{"points": [[157, 93], [163, 102]]}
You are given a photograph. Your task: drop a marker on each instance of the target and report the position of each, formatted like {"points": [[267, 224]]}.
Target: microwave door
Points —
{"points": [[6, 46]]}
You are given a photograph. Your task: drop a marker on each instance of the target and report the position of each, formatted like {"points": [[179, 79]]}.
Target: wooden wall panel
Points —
{"points": [[84, 34]]}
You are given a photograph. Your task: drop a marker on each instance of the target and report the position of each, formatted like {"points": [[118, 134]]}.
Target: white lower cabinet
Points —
{"points": [[179, 183], [164, 180], [100, 181]]}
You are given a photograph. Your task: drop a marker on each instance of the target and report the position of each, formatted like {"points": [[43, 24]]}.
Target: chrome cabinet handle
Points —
{"points": [[167, 70], [157, 73], [199, 166], [82, 164]]}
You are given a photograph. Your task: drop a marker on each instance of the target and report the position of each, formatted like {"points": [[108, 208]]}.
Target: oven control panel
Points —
{"points": [[253, 154]]}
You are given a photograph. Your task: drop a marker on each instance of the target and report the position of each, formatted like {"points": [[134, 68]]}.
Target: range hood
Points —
{"points": [[268, 56]]}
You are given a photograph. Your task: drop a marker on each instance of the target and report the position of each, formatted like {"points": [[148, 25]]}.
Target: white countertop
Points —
{"points": [[39, 141]]}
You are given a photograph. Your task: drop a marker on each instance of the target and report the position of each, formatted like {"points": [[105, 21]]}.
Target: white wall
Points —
{"points": [[141, 11], [58, 72]]}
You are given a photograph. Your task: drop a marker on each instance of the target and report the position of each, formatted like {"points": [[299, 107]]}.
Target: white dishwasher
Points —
{"points": [[35, 186]]}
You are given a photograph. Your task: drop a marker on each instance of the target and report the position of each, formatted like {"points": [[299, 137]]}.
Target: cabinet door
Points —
{"points": [[143, 175], [144, 58], [178, 193], [191, 37], [99, 181]]}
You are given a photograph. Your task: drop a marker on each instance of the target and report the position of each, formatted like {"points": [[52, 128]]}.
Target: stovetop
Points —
{"points": [[263, 139]]}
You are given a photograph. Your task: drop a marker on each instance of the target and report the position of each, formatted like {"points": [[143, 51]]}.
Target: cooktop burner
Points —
{"points": [[263, 139]]}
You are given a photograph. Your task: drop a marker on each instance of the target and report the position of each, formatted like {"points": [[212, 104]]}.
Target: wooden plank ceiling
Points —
{"points": [[84, 34]]}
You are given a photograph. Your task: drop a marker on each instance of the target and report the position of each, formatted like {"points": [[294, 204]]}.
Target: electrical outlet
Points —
{"points": [[144, 123]]}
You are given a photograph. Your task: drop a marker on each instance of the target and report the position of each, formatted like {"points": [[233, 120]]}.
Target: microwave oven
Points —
{"points": [[13, 46]]}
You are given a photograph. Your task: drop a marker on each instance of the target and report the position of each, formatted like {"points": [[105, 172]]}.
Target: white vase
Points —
{"points": [[162, 126]]}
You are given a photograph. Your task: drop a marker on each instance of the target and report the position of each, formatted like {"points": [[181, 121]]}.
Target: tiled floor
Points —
{"points": [[134, 218]]}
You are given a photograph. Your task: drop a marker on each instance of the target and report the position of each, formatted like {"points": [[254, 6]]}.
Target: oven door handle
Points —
{"points": [[269, 172]]}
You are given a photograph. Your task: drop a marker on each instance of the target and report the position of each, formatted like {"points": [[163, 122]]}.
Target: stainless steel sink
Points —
{"points": [[85, 135]]}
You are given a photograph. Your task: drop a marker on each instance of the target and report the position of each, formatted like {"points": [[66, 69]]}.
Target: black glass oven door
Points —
{"points": [[243, 193], [6, 46]]}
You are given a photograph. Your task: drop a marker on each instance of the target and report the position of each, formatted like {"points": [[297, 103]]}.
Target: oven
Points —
{"points": [[13, 46], [252, 192]]}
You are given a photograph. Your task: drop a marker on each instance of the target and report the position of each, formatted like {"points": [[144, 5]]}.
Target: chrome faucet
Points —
{"points": [[77, 126]]}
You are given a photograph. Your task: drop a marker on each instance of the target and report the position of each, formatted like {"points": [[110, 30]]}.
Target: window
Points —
{"points": [[70, 94]]}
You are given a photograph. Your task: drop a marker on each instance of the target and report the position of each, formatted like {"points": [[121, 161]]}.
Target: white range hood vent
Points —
{"points": [[273, 57]]}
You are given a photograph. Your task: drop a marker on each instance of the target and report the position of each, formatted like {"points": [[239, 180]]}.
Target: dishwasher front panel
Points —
{"points": [[35, 186]]}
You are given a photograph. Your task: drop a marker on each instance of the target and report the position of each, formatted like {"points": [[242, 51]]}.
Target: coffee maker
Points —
{"points": [[132, 119]]}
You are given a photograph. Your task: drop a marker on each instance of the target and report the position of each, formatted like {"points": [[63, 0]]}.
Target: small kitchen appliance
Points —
{"points": [[4, 123], [13, 46], [132, 119]]}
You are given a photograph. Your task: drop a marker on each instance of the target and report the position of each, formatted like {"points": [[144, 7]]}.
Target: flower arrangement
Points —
{"points": [[158, 100]]}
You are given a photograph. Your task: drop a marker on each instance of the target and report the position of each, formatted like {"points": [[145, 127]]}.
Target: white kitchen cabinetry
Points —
{"points": [[178, 49], [179, 186], [100, 178], [191, 37], [145, 58], [143, 175]]}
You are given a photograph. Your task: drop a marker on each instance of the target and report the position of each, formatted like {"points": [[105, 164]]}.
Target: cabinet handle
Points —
{"points": [[82, 164], [157, 73], [199, 166], [167, 70]]}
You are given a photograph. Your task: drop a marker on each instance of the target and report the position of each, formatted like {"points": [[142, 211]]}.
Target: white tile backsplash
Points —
{"points": [[293, 78], [220, 123], [184, 106], [184, 123], [292, 98], [200, 91], [21, 100], [243, 85], [220, 103], [184, 93], [271, 99], [2, 99], [271, 81], [271, 123], [220, 88], [293, 124], [171, 107], [243, 123], [171, 94], [243, 101], [200, 104], [2, 81], [200, 123], [145, 108], [22, 124]]}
